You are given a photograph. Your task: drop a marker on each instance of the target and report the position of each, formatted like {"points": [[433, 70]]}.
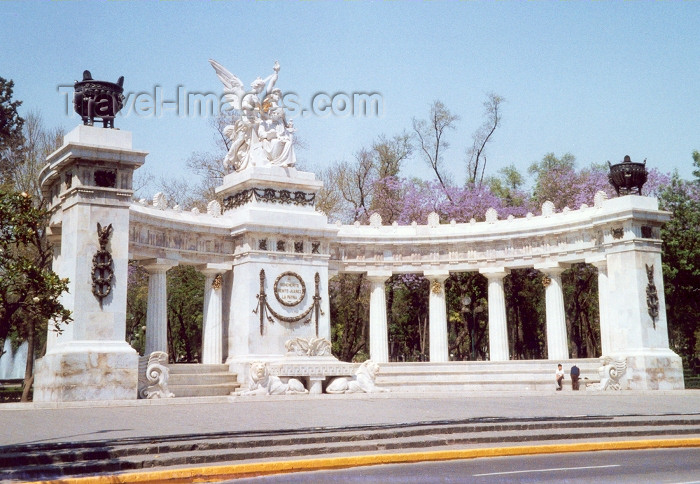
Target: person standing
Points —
{"points": [[559, 375], [575, 373]]}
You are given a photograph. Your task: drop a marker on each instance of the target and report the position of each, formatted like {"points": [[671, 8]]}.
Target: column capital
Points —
{"points": [[551, 268], [378, 276], [494, 273], [436, 275], [213, 269], [158, 264], [598, 262]]}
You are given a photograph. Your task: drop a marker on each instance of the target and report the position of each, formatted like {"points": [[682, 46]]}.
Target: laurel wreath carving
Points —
{"points": [[102, 262]]}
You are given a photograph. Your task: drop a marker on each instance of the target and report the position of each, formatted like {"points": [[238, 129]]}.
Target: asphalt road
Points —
{"points": [[634, 467]]}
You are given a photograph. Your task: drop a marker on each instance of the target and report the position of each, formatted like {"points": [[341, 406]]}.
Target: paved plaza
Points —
{"points": [[86, 421]]}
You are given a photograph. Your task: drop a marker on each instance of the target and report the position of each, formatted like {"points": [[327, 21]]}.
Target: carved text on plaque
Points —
{"points": [[289, 289]]}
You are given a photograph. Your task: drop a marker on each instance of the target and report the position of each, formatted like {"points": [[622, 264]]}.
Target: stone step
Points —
{"points": [[446, 387], [201, 378], [220, 389], [56, 460], [474, 376], [481, 376], [190, 368]]}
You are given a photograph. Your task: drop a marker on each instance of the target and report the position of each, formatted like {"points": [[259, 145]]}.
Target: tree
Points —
{"points": [[476, 162], [681, 264], [29, 289], [10, 129], [27, 163], [31, 256], [431, 137], [349, 296], [185, 308]]}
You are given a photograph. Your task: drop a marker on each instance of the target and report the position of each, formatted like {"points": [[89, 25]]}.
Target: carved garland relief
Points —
{"points": [[286, 289]]}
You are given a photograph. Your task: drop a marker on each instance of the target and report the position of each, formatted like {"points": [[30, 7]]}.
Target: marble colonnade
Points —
{"points": [[212, 331], [157, 310], [557, 340]]}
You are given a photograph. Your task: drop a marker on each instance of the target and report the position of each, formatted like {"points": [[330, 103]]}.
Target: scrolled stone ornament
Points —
{"points": [[157, 374], [102, 272], [611, 371]]}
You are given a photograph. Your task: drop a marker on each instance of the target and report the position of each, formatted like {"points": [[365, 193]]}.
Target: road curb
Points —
{"points": [[217, 473]]}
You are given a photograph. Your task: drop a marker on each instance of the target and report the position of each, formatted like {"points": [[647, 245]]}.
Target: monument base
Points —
{"points": [[654, 369], [87, 370]]}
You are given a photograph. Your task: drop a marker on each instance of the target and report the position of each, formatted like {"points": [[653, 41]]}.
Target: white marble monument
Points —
{"points": [[88, 184]]}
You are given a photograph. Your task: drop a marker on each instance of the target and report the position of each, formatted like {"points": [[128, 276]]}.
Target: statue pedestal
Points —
{"points": [[636, 309], [280, 263], [88, 182]]}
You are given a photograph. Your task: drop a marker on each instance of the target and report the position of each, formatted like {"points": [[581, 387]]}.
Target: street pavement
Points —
{"points": [[86, 421]]}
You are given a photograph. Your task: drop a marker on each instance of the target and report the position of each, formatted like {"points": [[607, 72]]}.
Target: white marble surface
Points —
{"points": [[378, 331], [498, 324], [437, 314]]}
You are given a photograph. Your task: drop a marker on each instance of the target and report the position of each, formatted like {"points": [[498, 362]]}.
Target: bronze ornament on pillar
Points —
{"points": [[102, 272], [652, 295], [266, 311], [216, 283]]}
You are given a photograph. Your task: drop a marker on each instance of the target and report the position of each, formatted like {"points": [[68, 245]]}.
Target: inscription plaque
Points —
{"points": [[289, 289]]}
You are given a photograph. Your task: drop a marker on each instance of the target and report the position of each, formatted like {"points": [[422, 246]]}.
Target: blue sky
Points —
{"points": [[597, 79]]}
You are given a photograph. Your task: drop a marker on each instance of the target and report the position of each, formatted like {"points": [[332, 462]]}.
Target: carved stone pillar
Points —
{"points": [[603, 302], [557, 341], [54, 237], [498, 323], [157, 311], [212, 330], [378, 333], [437, 324]]}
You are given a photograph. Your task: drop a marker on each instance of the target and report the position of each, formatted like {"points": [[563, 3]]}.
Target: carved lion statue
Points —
{"points": [[362, 382], [262, 383]]}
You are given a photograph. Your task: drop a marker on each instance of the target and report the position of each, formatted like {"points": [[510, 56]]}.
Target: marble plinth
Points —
{"points": [[87, 372]]}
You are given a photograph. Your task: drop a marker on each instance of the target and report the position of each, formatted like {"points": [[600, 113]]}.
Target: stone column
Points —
{"points": [[437, 324], [157, 311], [603, 302], [498, 321], [378, 333], [212, 329], [557, 341], [54, 237]]}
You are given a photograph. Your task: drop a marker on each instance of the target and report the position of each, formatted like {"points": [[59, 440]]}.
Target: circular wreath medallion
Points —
{"points": [[290, 289]]}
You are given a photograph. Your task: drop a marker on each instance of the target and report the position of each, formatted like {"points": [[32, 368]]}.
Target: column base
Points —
{"points": [[654, 369], [87, 370]]}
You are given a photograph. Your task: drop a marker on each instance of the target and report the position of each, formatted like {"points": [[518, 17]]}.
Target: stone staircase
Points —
{"points": [[199, 380], [62, 460], [516, 375]]}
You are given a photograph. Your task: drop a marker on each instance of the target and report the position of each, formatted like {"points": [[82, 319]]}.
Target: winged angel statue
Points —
{"points": [[261, 136]]}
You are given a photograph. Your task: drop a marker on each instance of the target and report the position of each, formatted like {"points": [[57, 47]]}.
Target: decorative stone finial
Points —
{"points": [[375, 220], [547, 209], [160, 201], [599, 198], [433, 220], [214, 208], [491, 215]]}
